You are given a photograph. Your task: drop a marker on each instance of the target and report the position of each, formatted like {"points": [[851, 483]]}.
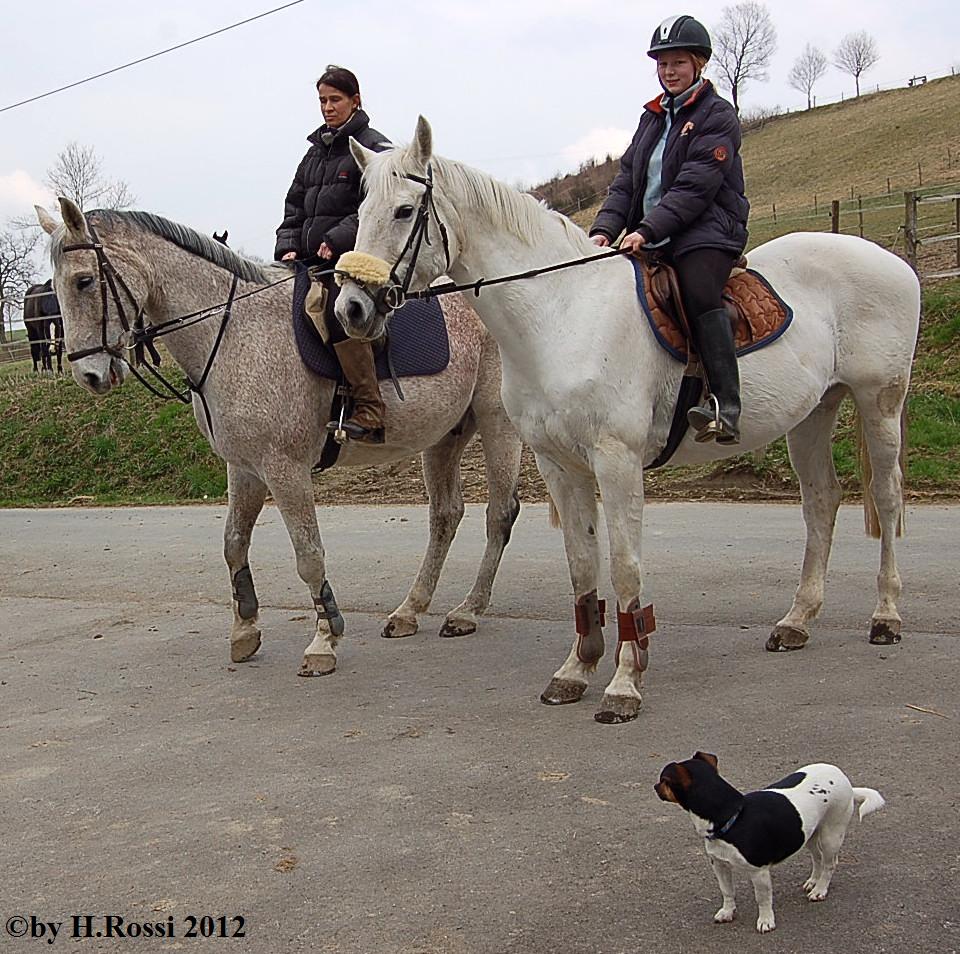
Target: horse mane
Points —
{"points": [[180, 235], [520, 213]]}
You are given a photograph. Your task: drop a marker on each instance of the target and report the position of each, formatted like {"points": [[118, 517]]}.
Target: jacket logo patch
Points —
{"points": [[344, 175], [720, 153], [687, 128]]}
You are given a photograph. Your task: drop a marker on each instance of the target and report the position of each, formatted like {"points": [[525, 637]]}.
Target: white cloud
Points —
{"points": [[598, 144], [19, 192]]}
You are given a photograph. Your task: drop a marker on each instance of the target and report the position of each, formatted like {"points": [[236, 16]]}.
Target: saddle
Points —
{"points": [[757, 314]]}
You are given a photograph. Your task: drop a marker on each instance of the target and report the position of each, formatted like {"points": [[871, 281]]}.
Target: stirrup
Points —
{"points": [[713, 429]]}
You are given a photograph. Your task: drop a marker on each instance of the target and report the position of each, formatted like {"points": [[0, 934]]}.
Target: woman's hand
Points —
{"points": [[633, 242], [600, 240], [325, 251], [288, 256]]}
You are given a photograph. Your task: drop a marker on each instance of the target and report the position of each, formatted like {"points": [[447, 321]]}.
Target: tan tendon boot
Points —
{"points": [[366, 424]]}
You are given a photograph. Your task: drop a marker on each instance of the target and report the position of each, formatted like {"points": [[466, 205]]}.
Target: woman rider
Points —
{"points": [[680, 191], [320, 221]]}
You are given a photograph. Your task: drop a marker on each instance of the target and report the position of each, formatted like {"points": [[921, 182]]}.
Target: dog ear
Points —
{"points": [[706, 757]]}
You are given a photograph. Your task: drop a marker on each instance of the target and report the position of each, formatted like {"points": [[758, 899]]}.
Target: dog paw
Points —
{"points": [[816, 894], [725, 915], [765, 925], [808, 885]]}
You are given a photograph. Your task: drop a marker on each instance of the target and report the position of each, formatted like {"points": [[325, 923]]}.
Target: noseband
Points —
{"points": [[390, 296]]}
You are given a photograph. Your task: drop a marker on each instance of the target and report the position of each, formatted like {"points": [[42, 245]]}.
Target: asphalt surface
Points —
{"points": [[421, 800]]}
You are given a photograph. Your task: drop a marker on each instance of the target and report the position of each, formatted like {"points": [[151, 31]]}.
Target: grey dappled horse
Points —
{"points": [[268, 411]]}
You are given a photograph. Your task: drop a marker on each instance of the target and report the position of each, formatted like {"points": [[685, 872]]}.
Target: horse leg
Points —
{"points": [[881, 417], [501, 459], [811, 454], [292, 489], [620, 477], [245, 495], [574, 495], [441, 475]]}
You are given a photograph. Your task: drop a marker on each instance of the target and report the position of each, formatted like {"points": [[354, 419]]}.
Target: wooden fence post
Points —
{"points": [[957, 224], [835, 215], [774, 213], [860, 213], [910, 228]]}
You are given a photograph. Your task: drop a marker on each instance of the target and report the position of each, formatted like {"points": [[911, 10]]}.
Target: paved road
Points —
{"points": [[421, 800]]}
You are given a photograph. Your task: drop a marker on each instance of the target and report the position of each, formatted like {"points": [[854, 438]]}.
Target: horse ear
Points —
{"points": [[360, 153], [422, 146], [47, 222], [73, 218]]}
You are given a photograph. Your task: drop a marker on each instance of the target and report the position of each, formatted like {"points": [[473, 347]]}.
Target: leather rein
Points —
{"points": [[388, 298], [139, 338]]}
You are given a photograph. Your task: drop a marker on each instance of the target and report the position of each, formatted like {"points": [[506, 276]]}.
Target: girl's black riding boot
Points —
{"points": [[719, 417]]}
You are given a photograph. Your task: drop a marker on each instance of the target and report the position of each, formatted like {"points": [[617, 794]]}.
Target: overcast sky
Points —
{"points": [[211, 135]]}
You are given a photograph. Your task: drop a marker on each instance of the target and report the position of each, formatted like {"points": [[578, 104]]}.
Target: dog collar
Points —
{"points": [[727, 825]]}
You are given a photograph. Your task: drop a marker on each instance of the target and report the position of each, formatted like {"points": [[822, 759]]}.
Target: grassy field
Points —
{"points": [[59, 445]]}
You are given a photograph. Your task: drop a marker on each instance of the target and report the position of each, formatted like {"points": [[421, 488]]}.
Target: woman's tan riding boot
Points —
{"points": [[366, 423]]}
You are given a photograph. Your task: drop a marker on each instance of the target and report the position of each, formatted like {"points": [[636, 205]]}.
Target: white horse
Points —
{"points": [[592, 392], [268, 411]]}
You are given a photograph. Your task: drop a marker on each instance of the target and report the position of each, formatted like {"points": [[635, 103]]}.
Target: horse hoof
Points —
{"points": [[786, 638], [616, 709], [243, 648], [315, 664], [885, 632], [561, 692], [452, 628], [399, 628]]}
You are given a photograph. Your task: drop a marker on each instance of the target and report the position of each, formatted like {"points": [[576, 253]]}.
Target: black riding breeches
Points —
{"points": [[702, 274]]}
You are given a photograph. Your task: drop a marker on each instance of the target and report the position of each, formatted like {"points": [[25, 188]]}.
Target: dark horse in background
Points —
{"points": [[41, 315]]}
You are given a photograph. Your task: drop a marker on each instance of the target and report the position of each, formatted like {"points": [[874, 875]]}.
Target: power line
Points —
{"points": [[143, 59]]}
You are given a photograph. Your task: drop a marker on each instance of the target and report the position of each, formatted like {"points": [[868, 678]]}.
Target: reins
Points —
{"points": [[390, 296], [141, 338]]}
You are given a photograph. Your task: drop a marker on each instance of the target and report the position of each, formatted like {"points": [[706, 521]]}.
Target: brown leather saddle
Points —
{"points": [[757, 313]]}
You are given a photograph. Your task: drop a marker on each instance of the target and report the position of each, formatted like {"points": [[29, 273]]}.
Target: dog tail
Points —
{"points": [[868, 800]]}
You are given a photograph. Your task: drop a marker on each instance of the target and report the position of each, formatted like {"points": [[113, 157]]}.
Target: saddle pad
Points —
{"points": [[762, 315], [418, 340]]}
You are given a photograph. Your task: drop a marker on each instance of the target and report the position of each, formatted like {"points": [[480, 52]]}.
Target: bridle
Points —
{"points": [[389, 297], [139, 338]]}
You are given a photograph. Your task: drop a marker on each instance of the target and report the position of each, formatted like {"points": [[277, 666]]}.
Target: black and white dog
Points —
{"points": [[811, 807]]}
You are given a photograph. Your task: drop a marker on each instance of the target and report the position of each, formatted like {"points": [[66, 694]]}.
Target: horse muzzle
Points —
{"points": [[99, 374], [360, 314]]}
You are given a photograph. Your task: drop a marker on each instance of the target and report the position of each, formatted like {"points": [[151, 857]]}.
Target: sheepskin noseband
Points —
{"points": [[364, 268]]}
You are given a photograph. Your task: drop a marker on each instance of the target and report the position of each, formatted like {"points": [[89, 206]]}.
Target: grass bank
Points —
{"points": [[60, 446]]}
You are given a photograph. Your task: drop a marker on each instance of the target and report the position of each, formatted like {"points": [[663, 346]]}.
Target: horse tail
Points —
{"points": [[871, 518], [554, 515]]}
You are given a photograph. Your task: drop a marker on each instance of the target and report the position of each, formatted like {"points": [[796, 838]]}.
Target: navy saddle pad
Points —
{"points": [[418, 339]]}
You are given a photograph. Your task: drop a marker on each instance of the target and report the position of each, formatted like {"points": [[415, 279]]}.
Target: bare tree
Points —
{"points": [[17, 271], [78, 174], [856, 53], [743, 43], [811, 64]]}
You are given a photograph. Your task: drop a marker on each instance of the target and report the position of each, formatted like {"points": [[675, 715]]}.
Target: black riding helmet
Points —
{"points": [[681, 33]]}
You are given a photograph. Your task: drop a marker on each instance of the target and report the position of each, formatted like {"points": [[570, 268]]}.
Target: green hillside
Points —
{"points": [[799, 162], [59, 445]]}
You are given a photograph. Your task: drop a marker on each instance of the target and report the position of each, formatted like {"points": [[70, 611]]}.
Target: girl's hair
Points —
{"points": [[340, 78], [699, 61]]}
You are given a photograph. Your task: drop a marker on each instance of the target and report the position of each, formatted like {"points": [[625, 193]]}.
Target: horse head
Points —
{"points": [[406, 237], [96, 305]]}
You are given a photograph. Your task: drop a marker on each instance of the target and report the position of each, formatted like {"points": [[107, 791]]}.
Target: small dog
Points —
{"points": [[811, 807]]}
